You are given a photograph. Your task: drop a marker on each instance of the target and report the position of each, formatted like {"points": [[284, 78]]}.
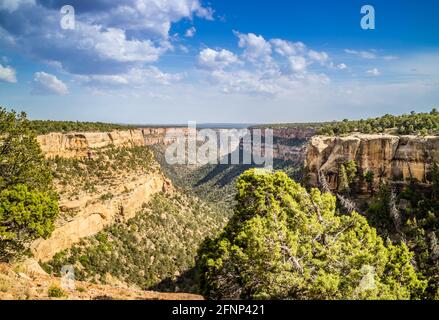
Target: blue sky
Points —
{"points": [[173, 61]]}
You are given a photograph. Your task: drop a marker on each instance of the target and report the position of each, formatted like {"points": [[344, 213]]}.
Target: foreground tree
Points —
{"points": [[286, 243], [24, 216], [28, 204]]}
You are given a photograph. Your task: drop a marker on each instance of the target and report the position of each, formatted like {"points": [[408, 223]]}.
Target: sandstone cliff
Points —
{"points": [[92, 213], [116, 196], [78, 145], [389, 157], [75, 145]]}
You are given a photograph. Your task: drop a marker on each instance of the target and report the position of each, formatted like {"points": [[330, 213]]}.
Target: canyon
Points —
{"points": [[389, 157], [91, 213]]}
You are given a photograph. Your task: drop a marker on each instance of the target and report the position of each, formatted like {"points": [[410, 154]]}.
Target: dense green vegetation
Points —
{"points": [[155, 250], [284, 242], [302, 125], [413, 123], [412, 215], [47, 126], [106, 168], [215, 183], [28, 204]]}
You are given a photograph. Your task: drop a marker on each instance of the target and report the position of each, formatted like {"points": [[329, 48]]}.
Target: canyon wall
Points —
{"points": [[92, 214], [288, 142], [388, 157], [80, 144]]}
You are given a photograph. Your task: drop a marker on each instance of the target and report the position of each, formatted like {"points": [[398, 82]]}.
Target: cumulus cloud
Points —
{"points": [[256, 48], [110, 37], [212, 59], [7, 74], [287, 48], [321, 57], [190, 33], [48, 84], [266, 66], [143, 17], [297, 63], [373, 72]]}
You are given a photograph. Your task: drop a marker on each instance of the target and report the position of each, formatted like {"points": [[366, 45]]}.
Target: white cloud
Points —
{"points": [[47, 84], [287, 48], [13, 5], [373, 72], [320, 57], [113, 44], [342, 66], [7, 74], [212, 59], [190, 33], [297, 63], [361, 54], [266, 66], [110, 36], [134, 78], [256, 48]]}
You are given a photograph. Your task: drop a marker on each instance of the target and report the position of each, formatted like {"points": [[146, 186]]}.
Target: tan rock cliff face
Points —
{"points": [[389, 157], [78, 145], [91, 212]]}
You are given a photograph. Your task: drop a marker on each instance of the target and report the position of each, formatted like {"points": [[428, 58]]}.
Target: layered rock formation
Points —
{"points": [[92, 214], [79, 145], [290, 143], [388, 157]]}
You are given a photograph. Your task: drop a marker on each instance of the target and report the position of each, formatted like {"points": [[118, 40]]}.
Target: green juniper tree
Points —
{"points": [[28, 203], [284, 242]]}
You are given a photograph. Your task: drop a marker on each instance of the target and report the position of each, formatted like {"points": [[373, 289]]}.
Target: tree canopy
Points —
{"points": [[28, 203], [413, 123], [284, 242]]}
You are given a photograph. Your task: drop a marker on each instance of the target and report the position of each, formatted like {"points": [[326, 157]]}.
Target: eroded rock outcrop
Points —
{"points": [[89, 213], [79, 144], [388, 157], [92, 214]]}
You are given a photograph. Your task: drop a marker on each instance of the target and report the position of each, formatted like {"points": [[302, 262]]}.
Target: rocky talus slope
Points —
{"points": [[389, 157]]}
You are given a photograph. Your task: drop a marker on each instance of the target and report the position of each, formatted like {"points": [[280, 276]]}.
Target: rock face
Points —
{"points": [[78, 145], [92, 214], [389, 157]]}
